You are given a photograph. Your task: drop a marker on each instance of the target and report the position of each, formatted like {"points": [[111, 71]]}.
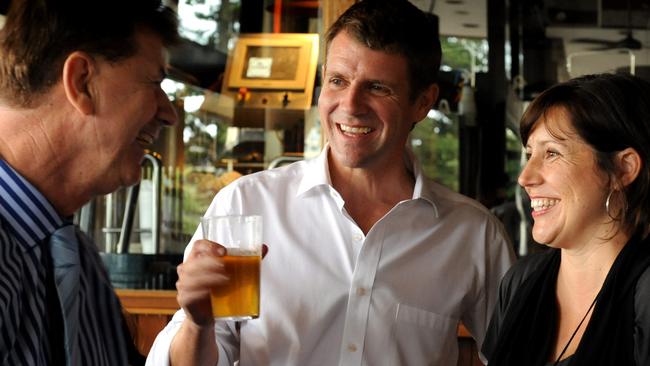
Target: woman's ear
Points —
{"points": [[78, 70], [629, 163]]}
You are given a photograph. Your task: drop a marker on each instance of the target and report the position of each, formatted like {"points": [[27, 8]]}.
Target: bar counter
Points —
{"points": [[147, 312]]}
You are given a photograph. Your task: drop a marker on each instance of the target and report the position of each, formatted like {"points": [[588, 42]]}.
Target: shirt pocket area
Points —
{"points": [[423, 337]]}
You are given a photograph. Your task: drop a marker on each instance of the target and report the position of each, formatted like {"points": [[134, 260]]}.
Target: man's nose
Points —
{"points": [[353, 100], [166, 111]]}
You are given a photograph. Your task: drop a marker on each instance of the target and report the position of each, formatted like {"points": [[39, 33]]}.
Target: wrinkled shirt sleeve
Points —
{"points": [[498, 257]]}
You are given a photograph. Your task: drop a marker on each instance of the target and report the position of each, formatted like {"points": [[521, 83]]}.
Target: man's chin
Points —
{"points": [[128, 175], [132, 177], [131, 171]]}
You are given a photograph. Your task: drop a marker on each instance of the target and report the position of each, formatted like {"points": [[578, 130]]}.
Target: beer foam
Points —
{"points": [[240, 252]]}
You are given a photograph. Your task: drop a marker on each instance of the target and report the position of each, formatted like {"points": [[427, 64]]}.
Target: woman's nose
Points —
{"points": [[529, 174]]}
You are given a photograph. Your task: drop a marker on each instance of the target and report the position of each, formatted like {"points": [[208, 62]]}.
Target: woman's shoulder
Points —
{"points": [[642, 289], [642, 295], [643, 284], [642, 319], [523, 268]]}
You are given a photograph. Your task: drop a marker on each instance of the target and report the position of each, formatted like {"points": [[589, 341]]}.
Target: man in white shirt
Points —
{"points": [[369, 262]]}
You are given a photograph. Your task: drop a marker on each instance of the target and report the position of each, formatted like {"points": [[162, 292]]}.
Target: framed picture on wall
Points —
{"points": [[273, 61]]}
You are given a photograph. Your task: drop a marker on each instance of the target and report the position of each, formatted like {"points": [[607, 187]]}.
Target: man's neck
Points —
{"points": [[28, 145], [369, 194]]}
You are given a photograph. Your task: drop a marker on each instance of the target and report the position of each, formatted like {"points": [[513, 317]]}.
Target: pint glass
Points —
{"points": [[239, 299]]}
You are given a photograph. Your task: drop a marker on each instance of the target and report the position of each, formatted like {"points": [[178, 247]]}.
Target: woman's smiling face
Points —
{"points": [[567, 189]]}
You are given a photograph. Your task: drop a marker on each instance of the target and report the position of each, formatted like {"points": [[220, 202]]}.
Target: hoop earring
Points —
{"points": [[607, 203]]}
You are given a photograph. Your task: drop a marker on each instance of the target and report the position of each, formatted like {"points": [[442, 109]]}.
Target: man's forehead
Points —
{"points": [[151, 47], [351, 54]]}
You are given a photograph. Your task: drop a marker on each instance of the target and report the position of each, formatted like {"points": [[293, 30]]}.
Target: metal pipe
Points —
{"points": [[127, 221], [108, 224], [132, 202], [155, 202], [522, 250]]}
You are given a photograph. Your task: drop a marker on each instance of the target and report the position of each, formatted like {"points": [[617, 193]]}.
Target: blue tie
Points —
{"points": [[64, 248]]}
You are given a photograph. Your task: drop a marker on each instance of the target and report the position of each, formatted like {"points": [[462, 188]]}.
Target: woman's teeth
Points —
{"points": [[355, 130], [539, 204]]}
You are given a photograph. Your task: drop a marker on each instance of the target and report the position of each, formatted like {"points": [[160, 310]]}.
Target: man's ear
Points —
{"points": [[629, 165], [78, 70], [425, 101]]}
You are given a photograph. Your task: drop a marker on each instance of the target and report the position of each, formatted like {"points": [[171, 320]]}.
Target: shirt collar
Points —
{"points": [[317, 175], [28, 214], [422, 188]]}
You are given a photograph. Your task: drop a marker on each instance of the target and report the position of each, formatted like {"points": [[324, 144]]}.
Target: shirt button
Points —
{"points": [[352, 347], [361, 291], [357, 237]]}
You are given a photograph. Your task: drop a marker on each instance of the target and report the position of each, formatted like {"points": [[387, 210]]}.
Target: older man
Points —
{"points": [[80, 100]]}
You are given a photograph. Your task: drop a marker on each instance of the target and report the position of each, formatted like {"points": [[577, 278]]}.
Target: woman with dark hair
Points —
{"points": [[586, 300]]}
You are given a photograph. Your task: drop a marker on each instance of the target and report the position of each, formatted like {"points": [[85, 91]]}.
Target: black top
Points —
{"points": [[538, 266]]}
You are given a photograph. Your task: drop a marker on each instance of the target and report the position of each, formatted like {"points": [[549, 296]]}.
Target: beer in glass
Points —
{"points": [[239, 298]]}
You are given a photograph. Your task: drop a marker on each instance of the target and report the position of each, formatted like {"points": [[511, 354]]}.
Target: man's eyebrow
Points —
{"points": [[381, 82], [332, 73], [377, 81]]}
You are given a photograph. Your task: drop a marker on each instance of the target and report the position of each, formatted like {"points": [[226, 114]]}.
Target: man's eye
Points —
{"points": [[379, 89], [336, 81], [552, 154]]}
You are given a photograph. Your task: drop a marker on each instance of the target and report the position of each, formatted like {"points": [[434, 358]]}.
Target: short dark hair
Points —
{"points": [[38, 35], [399, 27], [610, 112]]}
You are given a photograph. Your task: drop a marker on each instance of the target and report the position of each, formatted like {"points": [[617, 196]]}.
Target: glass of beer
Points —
{"points": [[239, 298]]}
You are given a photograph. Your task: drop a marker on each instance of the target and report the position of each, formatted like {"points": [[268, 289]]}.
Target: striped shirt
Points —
{"points": [[27, 220]]}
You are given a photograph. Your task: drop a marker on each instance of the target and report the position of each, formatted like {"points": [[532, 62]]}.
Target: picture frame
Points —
{"points": [[273, 61]]}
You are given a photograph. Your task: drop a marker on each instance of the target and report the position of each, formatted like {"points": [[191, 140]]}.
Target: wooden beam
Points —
{"points": [[332, 9]]}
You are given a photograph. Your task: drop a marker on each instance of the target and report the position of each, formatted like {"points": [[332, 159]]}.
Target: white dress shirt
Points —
{"points": [[334, 296]]}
